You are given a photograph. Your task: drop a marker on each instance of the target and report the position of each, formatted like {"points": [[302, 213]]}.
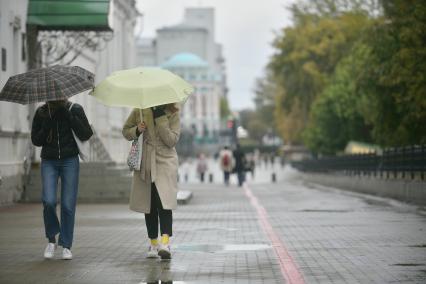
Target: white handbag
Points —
{"points": [[135, 155], [83, 146]]}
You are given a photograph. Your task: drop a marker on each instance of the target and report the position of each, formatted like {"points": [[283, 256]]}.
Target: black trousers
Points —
{"points": [[226, 177], [158, 213]]}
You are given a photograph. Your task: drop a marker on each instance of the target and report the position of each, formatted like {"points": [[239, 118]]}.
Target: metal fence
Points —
{"points": [[403, 162]]}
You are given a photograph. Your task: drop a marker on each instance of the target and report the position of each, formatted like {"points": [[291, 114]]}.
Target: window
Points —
{"points": [[3, 59], [24, 48]]}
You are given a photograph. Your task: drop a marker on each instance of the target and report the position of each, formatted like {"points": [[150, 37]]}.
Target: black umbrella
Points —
{"points": [[47, 84]]}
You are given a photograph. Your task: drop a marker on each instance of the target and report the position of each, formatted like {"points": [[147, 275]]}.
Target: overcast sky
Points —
{"points": [[244, 28]]}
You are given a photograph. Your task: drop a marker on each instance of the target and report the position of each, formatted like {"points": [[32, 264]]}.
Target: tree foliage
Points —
{"points": [[394, 79], [351, 70], [306, 58], [224, 108], [336, 116], [260, 121]]}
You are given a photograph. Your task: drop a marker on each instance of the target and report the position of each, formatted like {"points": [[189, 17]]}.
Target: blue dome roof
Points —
{"points": [[185, 60]]}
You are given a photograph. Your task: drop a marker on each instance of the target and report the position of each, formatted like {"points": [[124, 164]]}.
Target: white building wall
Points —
{"points": [[119, 54], [204, 18], [14, 130], [14, 119], [173, 41], [146, 52], [196, 35]]}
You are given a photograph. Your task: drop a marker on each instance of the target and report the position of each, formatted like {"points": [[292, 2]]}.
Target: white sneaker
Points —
{"points": [[152, 251], [66, 254], [49, 251], [164, 252]]}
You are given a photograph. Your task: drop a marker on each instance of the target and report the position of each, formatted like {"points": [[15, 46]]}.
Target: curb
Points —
{"points": [[183, 196]]}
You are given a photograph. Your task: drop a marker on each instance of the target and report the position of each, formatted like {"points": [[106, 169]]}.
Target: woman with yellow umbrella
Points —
{"points": [[154, 94]]}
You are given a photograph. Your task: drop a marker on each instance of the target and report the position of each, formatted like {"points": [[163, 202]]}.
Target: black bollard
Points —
{"points": [[274, 177], [211, 178]]}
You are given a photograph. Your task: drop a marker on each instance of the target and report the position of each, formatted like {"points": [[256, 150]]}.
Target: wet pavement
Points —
{"points": [[231, 235]]}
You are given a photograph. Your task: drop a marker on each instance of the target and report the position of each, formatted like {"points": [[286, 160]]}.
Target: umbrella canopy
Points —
{"points": [[142, 87], [47, 84]]}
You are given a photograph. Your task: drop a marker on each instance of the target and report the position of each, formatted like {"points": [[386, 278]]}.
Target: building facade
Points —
{"points": [[14, 127], [189, 49], [201, 112], [118, 52]]}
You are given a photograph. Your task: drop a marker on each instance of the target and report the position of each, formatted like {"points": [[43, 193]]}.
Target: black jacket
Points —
{"points": [[240, 160], [54, 133]]}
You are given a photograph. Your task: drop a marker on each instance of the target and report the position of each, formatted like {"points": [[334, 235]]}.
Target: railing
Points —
{"points": [[399, 162], [98, 151]]}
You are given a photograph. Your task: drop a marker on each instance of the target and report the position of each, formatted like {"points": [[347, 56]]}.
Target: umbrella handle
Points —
{"points": [[48, 108], [140, 114]]}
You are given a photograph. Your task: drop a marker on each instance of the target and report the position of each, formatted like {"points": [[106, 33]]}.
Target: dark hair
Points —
{"points": [[172, 107]]}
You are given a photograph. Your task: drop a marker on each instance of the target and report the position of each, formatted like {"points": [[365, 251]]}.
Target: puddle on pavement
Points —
{"points": [[221, 248], [408, 264], [165, 282], [208, 229], [375, 202], [418, 246], [325, 210]]}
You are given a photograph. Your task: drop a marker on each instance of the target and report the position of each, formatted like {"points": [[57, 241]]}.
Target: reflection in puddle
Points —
{"points": [[164, 282], [325, 210], [409, 264], [162, 272], [206, 229], [221, 248], [158, 272]]}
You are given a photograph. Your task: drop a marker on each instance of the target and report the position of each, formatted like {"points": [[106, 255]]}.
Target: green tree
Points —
{"points": [[305, 60], [336, 117], [224, 108], [394, 81], [265, 92]]}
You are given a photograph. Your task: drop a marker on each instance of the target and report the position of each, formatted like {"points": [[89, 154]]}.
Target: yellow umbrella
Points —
{"points": [[142, 87]]}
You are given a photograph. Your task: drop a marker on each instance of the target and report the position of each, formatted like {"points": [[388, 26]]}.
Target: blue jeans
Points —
{"points": [[68, 170]]}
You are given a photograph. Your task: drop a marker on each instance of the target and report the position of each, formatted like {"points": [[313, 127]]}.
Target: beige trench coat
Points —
{"points": [[159, 159]]}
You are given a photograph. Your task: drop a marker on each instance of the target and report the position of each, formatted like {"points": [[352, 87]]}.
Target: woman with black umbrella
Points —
{"points": [[52, 129]]}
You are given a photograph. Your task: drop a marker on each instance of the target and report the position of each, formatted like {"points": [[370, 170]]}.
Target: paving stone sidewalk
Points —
{"points": [[333, 237], [341, 237], [217, 240]]}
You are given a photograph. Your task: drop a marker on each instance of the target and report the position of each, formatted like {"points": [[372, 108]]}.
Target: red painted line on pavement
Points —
{"points": [[289, 269]]}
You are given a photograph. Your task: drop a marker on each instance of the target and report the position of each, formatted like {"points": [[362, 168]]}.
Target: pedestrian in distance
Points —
{"points": [[52, 129], [226, 163], [272, 159], [251, 164], [282, 161], [265, 159], [154, 187], [240, 164], [202, 166]]}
